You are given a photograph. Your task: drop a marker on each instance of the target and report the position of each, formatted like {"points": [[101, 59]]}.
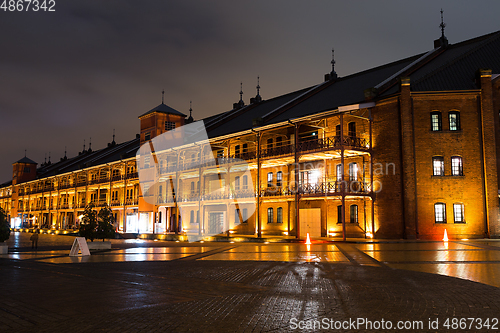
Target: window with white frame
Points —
{"points": [[245, 215], [353, 171], [440, 212], [454, 119], [270, 179], [436, 123], [339, 172], [237, 183], [458, 213], [456, 166], [438, 166], [245, 182], [279, 178]]}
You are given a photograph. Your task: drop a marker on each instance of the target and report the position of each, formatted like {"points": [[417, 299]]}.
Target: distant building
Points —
{"points": [[404, 150]]}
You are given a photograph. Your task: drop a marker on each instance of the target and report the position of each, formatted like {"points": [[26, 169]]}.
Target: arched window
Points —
{"points": [[436, 123], [456, 166], [458, 213], [440, 212], [454, 120], [245, 182], [270, 215], [245, 215], [354, 213], [279, 178], [270, 179], [438, 166], [237, 219], [279, 215]]}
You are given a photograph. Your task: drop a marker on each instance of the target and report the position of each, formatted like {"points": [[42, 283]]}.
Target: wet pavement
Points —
{"points": [[146, 286]]}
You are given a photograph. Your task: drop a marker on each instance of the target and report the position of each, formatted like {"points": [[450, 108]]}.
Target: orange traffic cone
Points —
{"points": [[308, 240], [445, 238]]}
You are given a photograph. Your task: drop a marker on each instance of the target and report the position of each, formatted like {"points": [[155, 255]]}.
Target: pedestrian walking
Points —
{"points": [[34, 239]]}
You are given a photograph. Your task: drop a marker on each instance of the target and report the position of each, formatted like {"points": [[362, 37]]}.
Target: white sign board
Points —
{"points": [[79, 245]]}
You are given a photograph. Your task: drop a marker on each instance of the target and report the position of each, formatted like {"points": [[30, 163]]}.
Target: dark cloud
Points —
{"points": [[95, 65]]}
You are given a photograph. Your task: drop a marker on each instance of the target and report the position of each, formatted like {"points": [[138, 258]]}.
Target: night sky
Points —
{"points": [[93, 66]]}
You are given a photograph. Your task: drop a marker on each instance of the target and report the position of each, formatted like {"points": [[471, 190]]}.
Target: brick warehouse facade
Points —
{"points": [[403, 150]]}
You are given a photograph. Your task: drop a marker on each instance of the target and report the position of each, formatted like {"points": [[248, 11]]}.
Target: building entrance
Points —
{"points": [[216, 223], [310, 222]]}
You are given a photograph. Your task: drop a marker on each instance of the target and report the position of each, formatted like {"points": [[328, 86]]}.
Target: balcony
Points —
{"points": [[132, 175]]}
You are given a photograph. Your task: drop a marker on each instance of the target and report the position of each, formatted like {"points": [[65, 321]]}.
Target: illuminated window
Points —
{"points": [[169, 125], [438, 166], [237, 183], [245, 182], [458, 213], [270, 179], [270, 215], [279, 178], [436, 124], [245, 215], [279, 215], [354, 213], [440, 212], [339, 172], [456, 166], [454, 118], [353, 171], [237, 219]]}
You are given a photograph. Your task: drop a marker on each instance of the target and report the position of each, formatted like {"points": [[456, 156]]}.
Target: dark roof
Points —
{"points": [[455, 67], [26, 160], [162, 108], [451, 68], [112, 153]]}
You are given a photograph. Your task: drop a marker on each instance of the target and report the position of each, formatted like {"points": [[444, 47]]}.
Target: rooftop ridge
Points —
{"points": [[491, 37]]}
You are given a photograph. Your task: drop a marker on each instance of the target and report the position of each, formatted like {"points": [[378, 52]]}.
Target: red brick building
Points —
{"points": [[404, 150]]}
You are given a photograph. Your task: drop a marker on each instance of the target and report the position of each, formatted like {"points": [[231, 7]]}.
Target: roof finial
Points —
{"points": [[190, 108], [163, 96], [83, 146], [25, 153], [64, 151], [45, 160], [257, 98], [90, 144], [333, 75], [241, 92], [49, 157], [258, 85], [113, 135], [442, 25]]}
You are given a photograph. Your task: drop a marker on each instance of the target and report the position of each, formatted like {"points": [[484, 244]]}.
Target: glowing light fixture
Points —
{"points": [[445, 238]]}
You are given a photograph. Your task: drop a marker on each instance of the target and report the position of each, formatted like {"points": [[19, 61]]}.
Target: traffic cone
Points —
{"points": [[308, 240], [445, 238]]}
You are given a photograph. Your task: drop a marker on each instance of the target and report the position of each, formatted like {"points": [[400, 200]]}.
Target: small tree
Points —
{"points": [[105, 227], [88, 223], [4, 226]]}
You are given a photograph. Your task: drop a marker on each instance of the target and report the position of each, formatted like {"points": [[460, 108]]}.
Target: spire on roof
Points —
{"points": [[442, 41], [240, 104], [333, 75], [49, 163], [163, 96], [90, 145], [257, 98], [25, 153], [190, 118]]}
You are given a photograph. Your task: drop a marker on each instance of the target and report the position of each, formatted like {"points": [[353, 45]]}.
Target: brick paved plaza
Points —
{"points": [[146, 286]]}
